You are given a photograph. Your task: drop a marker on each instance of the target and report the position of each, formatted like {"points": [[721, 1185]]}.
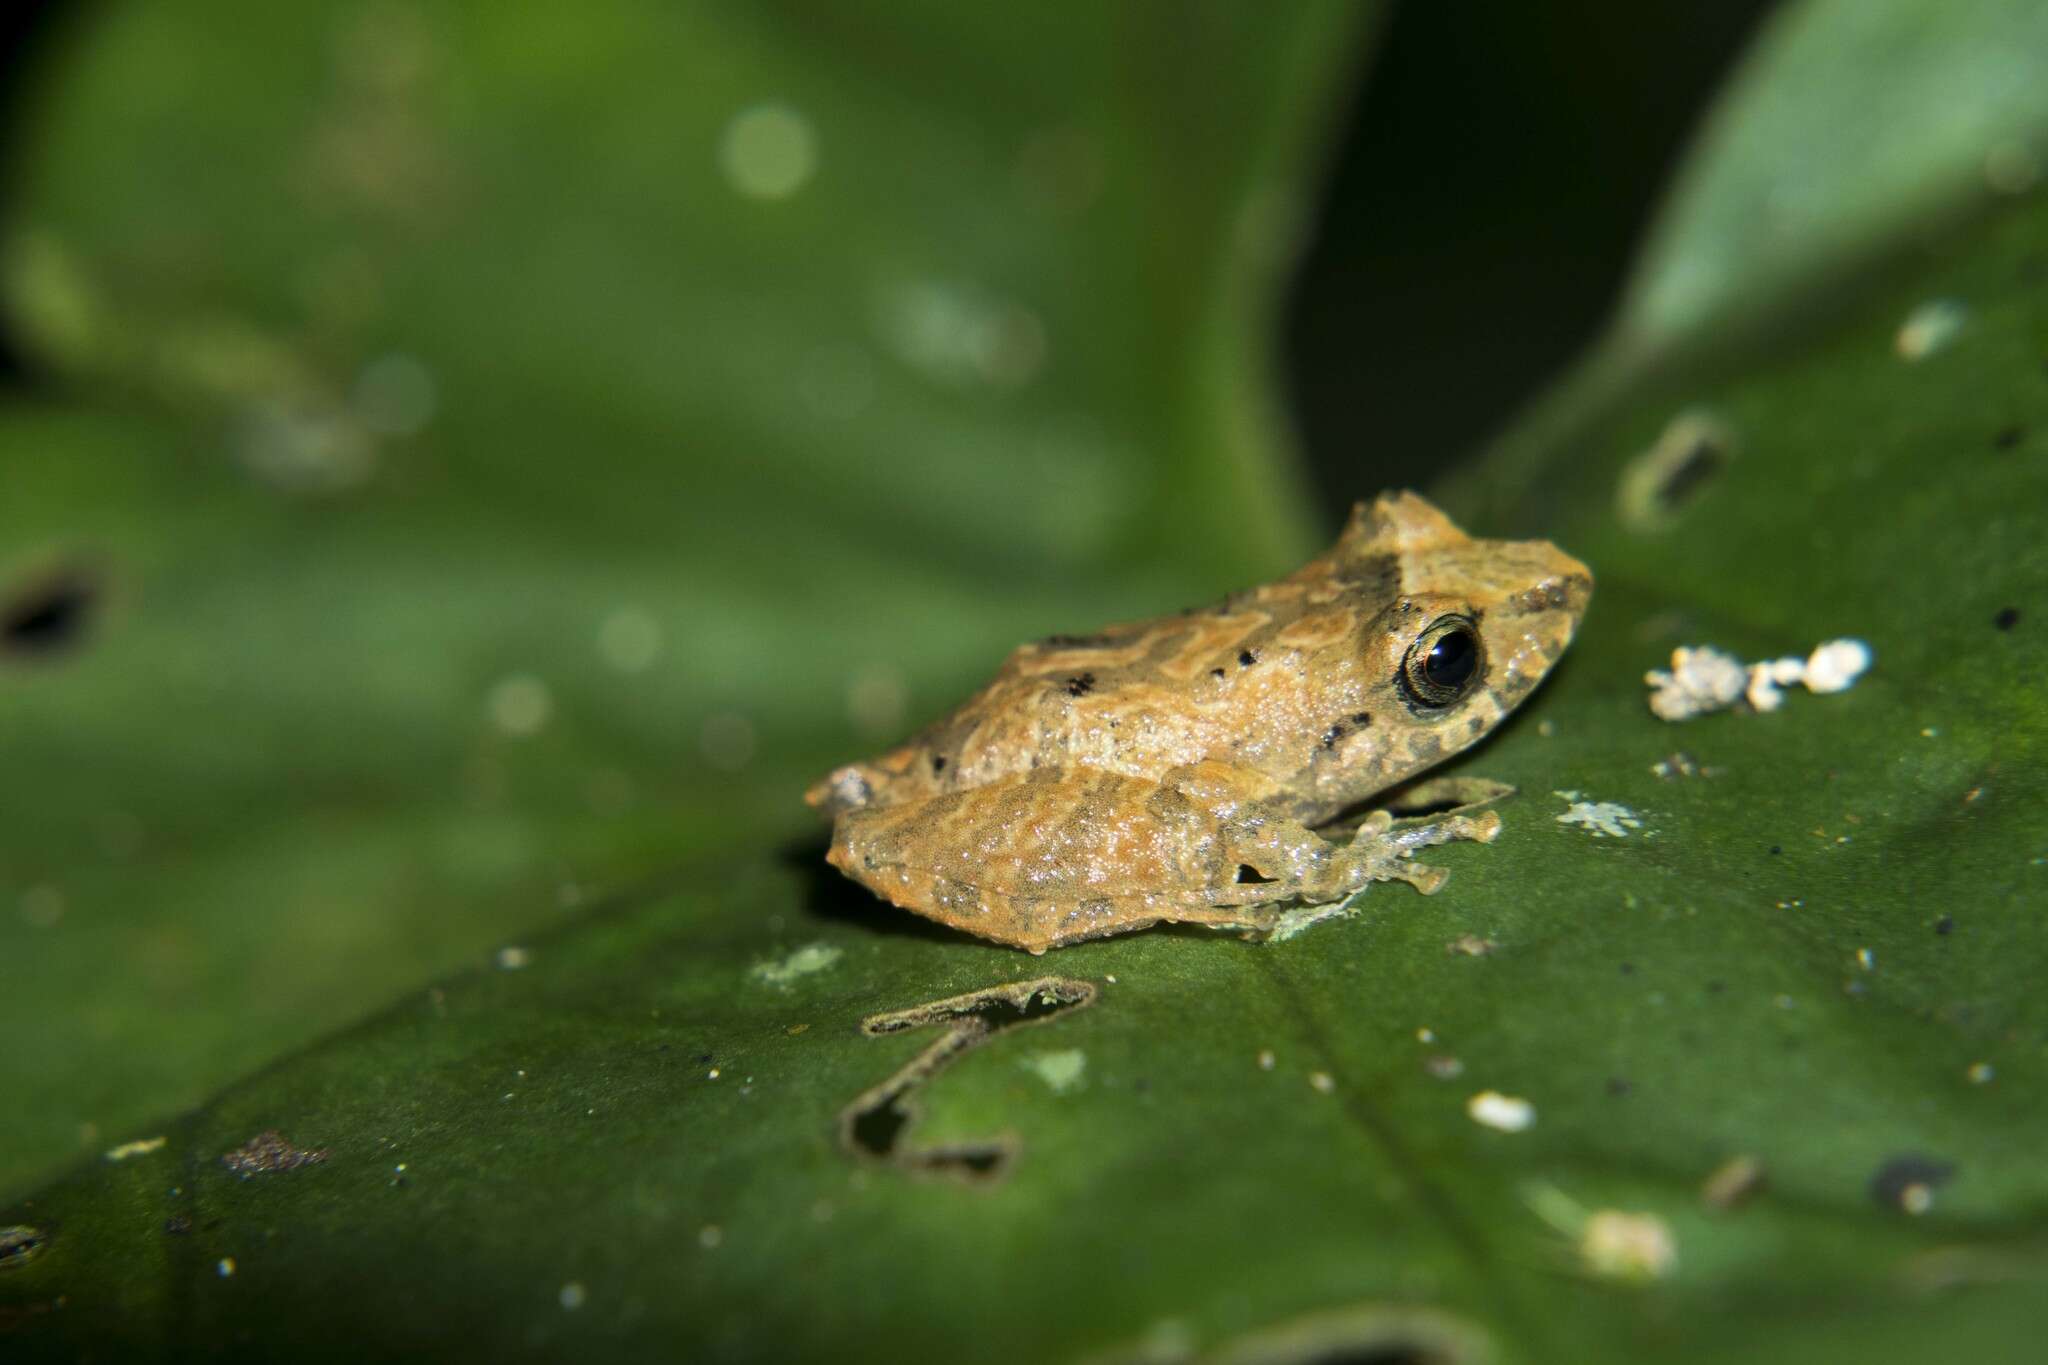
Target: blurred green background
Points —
{"points": [[467, 467]]}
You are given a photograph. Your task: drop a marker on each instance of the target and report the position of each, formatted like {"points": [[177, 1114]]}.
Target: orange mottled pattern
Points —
{"points": [[1174, 769]]}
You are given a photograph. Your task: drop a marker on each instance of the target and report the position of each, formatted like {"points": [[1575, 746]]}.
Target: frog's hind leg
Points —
{"points": [[1039, 859]]}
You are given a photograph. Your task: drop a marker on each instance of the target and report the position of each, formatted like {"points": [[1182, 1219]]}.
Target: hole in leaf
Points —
{"points": [[1659, 484], [1908, 1181], [47, 617], [1370, 1334], [876, 1126], [1247, 875], [21, 1244]]}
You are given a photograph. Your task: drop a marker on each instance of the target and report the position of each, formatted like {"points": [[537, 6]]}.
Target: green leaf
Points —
{"points": [[1851, 125], [523, 450], [662, 1128]]}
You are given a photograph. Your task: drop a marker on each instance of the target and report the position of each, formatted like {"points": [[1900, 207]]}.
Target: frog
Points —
{"points": [[1189, 769]]}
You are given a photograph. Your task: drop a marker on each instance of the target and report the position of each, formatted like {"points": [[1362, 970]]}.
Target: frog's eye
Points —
{"points": [[1444, 663]]}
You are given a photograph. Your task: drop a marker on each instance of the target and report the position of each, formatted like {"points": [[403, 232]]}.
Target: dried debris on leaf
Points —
{"points": [[268, 1153], [1703, 679]]}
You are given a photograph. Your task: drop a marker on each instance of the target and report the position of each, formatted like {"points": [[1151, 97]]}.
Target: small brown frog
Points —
{"points": [[1176, 769]]}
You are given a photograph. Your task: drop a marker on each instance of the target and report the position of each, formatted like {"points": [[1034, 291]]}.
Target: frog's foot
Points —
{"points": [[1381, 853]]}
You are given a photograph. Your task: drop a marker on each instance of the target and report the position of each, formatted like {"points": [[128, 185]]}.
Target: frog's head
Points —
{"points": [[1469, 626]]}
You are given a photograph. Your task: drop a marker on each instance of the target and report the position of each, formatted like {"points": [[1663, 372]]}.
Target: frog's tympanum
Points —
{"points": [[1177, 769]]}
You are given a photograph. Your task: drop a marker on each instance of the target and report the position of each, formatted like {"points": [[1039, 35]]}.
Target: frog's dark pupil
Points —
{"points": [[1451, 660]]}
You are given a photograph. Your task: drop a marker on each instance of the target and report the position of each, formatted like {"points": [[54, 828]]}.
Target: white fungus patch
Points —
{"points": [[1504, 1113], [1603, 819], [1836, 665], [812, 957], [513, 958], [768, 151], [1702, 678], [1929, 329]]}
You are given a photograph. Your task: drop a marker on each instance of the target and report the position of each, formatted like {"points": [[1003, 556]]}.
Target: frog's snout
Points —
{"points": [[842, 790]]}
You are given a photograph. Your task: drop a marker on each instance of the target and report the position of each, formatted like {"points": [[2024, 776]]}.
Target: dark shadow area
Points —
{"points": [[835, 899], [1483, 209], [29, 34], [48, 617]]}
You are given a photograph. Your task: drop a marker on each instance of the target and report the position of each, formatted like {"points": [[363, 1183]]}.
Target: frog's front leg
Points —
{"points": [[1378, 852]]}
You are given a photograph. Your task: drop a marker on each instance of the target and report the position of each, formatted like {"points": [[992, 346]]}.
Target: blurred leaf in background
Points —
{"points": [[1729, 1049], [506, 453]]}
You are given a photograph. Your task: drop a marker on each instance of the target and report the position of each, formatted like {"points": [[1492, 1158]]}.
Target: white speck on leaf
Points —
{"points": [[1929, 329], [1619, 1245], [1702, 678], [1506, 1113], [1836, 665], [812, 957], [1061, 1070], [1605, 819], [140, 1147]]}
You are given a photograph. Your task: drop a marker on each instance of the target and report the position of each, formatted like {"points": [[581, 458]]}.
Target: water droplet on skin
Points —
{"points": [[768, 151]]}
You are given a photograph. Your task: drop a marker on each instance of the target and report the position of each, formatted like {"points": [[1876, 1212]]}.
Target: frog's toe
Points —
{"points": [[1422, 876]]}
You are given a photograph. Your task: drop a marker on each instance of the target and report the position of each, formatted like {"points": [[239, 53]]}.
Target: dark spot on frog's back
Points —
{"points": [[1375, 577], [938, 764], [1080, 685], [1357, 720], [1247, 657], [1073, 642]]}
